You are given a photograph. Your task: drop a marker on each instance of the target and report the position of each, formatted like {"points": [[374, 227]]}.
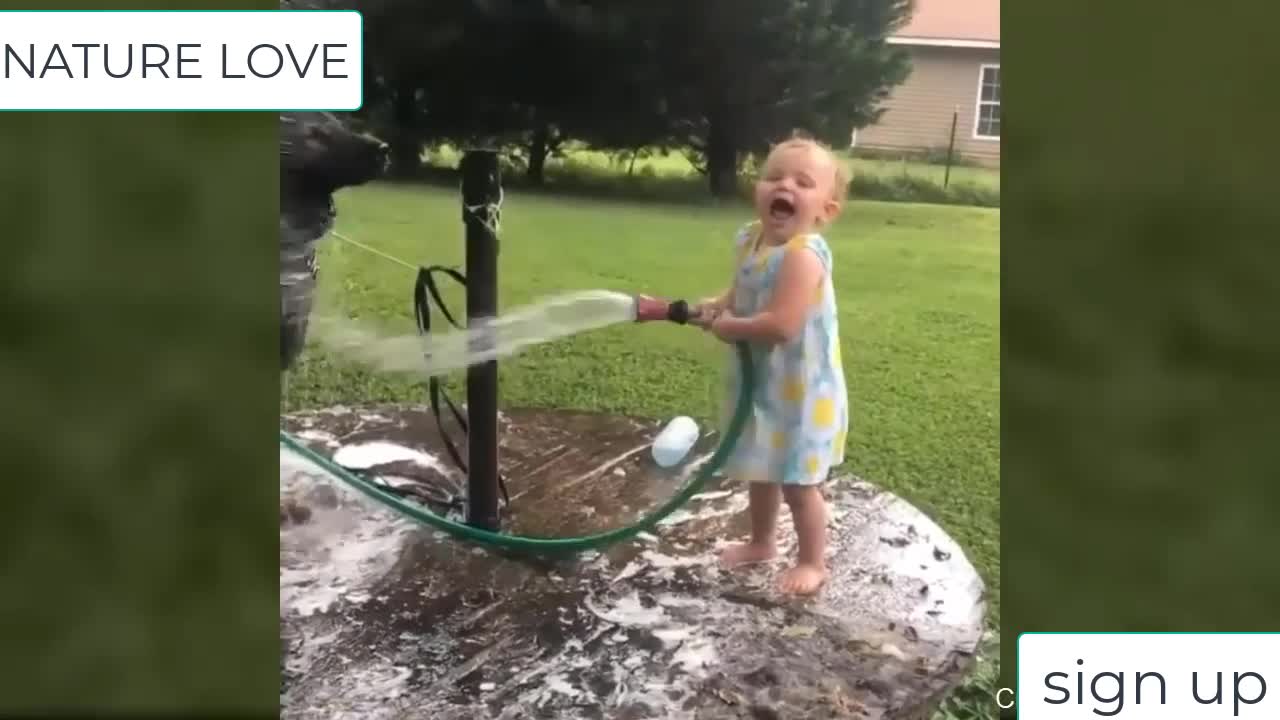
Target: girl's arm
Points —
{"points": [[784, 317], [721, 301]]}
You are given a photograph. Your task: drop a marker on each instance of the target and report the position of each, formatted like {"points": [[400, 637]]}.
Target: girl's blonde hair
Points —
{"points": [[840, 187]]}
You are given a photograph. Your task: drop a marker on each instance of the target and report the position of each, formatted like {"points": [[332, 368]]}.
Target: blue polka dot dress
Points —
{"points": [[800, 414]]}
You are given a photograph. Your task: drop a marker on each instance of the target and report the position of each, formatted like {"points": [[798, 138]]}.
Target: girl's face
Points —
{"points": [[795, 192]]}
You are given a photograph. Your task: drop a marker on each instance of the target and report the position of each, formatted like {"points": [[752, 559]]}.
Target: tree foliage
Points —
{"points": [[720, 78]]}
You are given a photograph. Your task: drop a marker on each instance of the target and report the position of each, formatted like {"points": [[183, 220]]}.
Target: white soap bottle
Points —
{"points": [[675, 441]]}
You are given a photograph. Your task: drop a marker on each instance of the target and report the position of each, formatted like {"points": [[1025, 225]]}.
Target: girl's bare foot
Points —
{"points": [[803, 579], [747, 553], [809, 511]]}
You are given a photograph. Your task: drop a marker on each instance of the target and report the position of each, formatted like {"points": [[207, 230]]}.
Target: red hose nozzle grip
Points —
{"points": [[650, 308]]}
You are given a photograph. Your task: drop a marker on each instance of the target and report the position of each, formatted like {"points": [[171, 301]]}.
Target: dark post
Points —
{"points": [[481, 192], [951, 147]]}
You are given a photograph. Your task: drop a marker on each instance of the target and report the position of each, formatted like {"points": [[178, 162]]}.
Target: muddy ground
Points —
{"points": [[384, 618]]}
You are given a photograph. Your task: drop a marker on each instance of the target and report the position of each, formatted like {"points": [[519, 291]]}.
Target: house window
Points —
{"points": [[986, 124]]}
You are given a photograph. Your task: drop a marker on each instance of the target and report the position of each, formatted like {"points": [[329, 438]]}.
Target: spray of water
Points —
{"points": [[484, 339]]}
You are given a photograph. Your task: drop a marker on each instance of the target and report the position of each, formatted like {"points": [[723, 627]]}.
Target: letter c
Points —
{"points": [[999, 693]]}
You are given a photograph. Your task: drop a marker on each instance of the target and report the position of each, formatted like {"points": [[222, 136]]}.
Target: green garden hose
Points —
{"points": [[527, 544]]}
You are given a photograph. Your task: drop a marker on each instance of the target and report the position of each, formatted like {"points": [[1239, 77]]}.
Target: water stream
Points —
{"points": [[484, 339]]}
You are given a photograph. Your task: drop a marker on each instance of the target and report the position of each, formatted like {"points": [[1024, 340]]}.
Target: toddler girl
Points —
{"points": [[782, 305]]}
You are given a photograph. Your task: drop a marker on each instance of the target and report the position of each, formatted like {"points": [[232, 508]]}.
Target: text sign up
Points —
{"points": [[1135, 676]]}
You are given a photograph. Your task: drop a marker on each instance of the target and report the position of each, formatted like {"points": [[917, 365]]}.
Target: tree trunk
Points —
{"points": [[406, 149], [722, 157], [538, 149]]}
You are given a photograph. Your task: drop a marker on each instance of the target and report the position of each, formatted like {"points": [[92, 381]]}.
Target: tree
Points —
{"points": [[742, 74], [721, 77], [626, 108], [410, 50], [516, 74]]}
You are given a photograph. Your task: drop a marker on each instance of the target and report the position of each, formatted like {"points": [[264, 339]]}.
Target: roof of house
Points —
{"points": [[953, 23]]}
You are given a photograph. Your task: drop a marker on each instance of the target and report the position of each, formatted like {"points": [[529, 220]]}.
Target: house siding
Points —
{"points": [[918, 112]]}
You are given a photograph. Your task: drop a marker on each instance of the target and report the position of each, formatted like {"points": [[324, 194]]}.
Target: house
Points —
{"points": [[955, 58]]}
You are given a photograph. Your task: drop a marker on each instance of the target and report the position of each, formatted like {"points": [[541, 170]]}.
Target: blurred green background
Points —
{"points": [[1140, 485], [139, 385]]}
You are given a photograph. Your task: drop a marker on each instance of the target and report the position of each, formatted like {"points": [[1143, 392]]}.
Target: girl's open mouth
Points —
{"points": [[781, 209]]}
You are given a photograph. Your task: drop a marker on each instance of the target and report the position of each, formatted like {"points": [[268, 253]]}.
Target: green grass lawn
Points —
{"points": [[919, 312]]}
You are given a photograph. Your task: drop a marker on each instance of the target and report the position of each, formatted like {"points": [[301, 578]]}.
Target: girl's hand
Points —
{"points": [[705, 313], [722, 325]]}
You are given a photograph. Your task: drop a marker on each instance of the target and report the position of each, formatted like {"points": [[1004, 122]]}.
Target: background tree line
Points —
{"points": [[716, 79]]}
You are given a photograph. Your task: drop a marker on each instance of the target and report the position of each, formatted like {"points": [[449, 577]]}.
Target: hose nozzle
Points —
{"points": [[650, 308]]}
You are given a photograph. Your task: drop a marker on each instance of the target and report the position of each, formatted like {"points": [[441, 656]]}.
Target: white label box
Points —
{"points": [[181, 60], [1135, 676]]}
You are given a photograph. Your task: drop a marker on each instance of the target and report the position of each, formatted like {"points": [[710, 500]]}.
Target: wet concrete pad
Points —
{"points": [[382, 617]]}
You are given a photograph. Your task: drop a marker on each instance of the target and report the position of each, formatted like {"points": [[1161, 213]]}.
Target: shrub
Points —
{"points": [[936, 155], [584, 178], [912, 188], [968, 193]]}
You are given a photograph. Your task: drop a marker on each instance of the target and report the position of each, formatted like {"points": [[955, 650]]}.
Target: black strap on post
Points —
{"points": [[425, 291]]}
